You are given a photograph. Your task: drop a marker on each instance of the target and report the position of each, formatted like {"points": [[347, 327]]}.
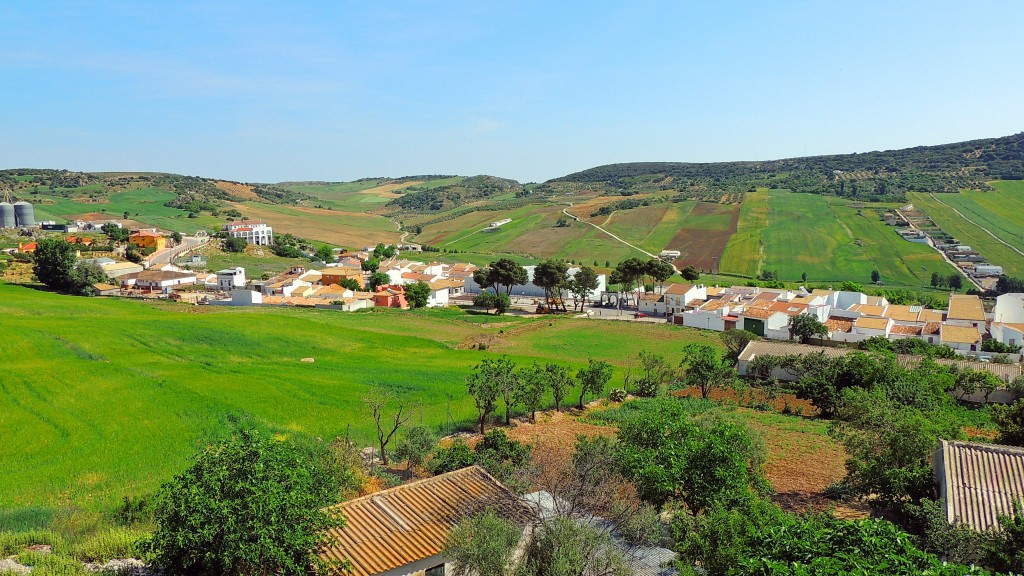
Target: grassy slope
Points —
{"points": [[967, 233], [146, 205], [105, 398], [1001, 211], [742, 253]]}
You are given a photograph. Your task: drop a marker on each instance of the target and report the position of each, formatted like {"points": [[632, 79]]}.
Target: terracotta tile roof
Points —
{"points": [[905, 330], [874, 301], [695, 302], [789, 308], [715, 305], [145, 233], [903, 313], [760, 313], [931, 328], [715, 290], [770, 296], [397, 527], [978, 482], [1014, 326], [966, 307], [929, 315], [836, 324], [678, 289], [868, 309], [652, 297], [162, 275], [959, 334]]}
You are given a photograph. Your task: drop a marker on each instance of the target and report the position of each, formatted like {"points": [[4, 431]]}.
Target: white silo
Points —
{"points": [[7, 219], [25, 214]]}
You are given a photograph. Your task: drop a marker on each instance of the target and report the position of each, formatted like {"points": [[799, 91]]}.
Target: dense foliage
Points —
{"points": [[56, 266], [249, 505], [869, 176]]}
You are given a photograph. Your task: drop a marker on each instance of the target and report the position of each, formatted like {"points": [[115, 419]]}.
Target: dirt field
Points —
{"points": [[333, 226], [240, 191], [700, 246], [388, 190]]}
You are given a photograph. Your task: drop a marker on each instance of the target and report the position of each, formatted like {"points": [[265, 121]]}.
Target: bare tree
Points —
{"points": [[380, 402]]}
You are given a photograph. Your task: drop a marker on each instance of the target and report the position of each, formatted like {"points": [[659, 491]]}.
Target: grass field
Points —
{"points": [[998, 220], [103, 398], [826, 238], [146, 205], [349, 229]]}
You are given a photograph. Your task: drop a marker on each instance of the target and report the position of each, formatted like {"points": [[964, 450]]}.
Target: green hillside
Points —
{"points": [[103, 398]]}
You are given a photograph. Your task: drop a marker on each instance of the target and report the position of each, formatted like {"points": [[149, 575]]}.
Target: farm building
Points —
{"points": [[978, 482], [231, 278], [401, 531]]}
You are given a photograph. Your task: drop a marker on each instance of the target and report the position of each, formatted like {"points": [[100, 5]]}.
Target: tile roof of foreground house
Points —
{"points": [[402, 525], [678, 289], [905, 330], [837, 324], [871, 323], [759, 313], [978, 482], [959, 334]]}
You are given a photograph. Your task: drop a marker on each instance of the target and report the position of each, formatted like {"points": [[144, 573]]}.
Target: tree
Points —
{"points": [[875, 276], [559, 380], [418, 294], [1010, 421], [689, 274], [248, 505], [55, 263], [552, 276], [705, 368], [991, 345], [533, 383], [506, 459], [509, 386], [176, 236], [502, 303], [235, 244], [378, 279], [735, 341], [115, 232], [849, 286], [371, 264], [653, 373], [483, 545], [628, 274], [1004, 550], [935, 279], [380, 401], [454, 457], [805, 327], [504, 272], [955, 281], [565, 545], [582, 285], [416, 445], [803, 277], [324, 254], [660, 270], [593, 378], [491, 379], [703, 462], [350, 284]]}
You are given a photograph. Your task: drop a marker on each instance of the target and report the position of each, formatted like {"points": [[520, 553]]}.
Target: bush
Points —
{"points": [[235, 244], [617, 395], [250, 504], [454, 457]]}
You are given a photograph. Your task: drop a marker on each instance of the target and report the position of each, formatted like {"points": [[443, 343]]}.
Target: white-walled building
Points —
{"points": [[230, 278], [254, 232], [1009, 308], [532, 290]]}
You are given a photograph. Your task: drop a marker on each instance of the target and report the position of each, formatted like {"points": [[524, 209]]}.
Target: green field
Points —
{"points": [[103, 398], [146, 205], [994, 210], [828, 239]]}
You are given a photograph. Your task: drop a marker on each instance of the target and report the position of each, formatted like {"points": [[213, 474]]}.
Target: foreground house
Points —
{"points": [[978, 482], [401, 531]]}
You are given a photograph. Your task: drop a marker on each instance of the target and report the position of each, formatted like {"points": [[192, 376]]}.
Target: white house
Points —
{"points": [[160, 280], [439, 292], [764, 322], [713, 315], [1008, 333], [231, 278], [254, 232], [1009, 308], [677, 296], [962, 339], [243, 297]]}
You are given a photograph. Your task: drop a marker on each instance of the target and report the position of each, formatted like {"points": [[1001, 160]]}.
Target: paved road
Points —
{"points": [[188, 243]]}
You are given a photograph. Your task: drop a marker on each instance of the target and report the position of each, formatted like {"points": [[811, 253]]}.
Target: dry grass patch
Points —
{"points": [[240, 191]]}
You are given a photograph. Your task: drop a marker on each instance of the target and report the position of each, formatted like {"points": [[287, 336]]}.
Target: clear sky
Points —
{"points": [[332, 90]]}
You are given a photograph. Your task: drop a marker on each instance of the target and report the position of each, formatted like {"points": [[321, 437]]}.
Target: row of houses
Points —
{"points": [[849, 316]]}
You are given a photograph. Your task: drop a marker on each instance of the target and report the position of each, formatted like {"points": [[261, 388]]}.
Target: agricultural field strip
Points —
{"points": [[566, 212], [980, 227]]}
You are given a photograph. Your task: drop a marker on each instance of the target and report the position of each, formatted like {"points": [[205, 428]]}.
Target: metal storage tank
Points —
{"points": [[25, 214], [7, 219]]}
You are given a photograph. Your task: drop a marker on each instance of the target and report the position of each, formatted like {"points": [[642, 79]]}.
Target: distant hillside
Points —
{"points": [[191, 193], [869, 176], [418, 198]]}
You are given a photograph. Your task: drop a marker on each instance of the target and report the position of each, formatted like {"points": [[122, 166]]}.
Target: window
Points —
{"points": [[435, 571]]}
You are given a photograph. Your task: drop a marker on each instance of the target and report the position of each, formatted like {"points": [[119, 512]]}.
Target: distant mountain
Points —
{"points": [[870, 176]]}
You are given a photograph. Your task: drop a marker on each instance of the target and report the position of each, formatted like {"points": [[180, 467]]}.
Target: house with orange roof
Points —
{"points": [[678, 296], [336, 274], [146, 239], [965, 310], [960, 338], [764, 322], [27, 248], [390, 296]]}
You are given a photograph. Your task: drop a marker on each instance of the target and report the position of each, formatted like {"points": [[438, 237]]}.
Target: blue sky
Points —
{"points": [[272, 91]]}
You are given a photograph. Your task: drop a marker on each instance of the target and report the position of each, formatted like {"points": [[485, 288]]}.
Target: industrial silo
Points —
{"points": [[7, 219], [25, 215]]}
